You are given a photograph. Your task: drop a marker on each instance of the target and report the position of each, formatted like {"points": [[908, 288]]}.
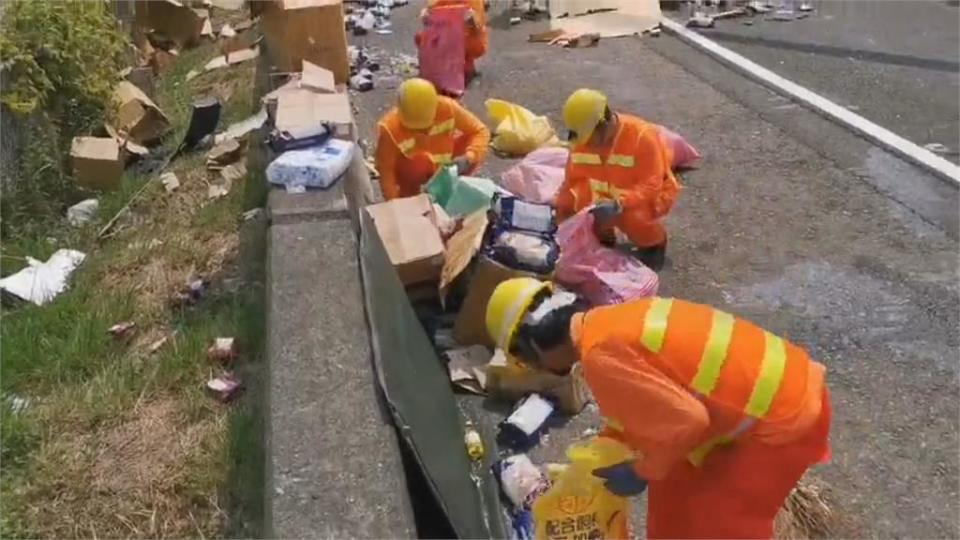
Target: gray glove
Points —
{"points": [[606, 211]]}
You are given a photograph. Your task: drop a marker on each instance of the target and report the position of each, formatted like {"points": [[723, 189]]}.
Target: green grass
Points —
{"points": [[82, 384]]}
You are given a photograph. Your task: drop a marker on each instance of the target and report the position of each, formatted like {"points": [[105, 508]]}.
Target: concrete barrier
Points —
{"points": [[333, 461]]}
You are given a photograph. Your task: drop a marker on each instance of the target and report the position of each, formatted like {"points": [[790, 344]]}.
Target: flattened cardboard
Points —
{"points": [[297, 30], [412, 240], [616, 18], [138, 115], [469, 328], [300, 111], [97, 162], [317, 78]]}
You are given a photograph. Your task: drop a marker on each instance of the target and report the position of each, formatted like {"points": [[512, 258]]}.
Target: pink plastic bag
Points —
{"points": [[537, 178], [600, 274], [441, 47], [684, 154]]}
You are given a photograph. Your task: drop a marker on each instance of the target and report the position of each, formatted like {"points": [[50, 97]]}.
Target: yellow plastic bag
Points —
{"points": [[518, 131], [578, 506]]}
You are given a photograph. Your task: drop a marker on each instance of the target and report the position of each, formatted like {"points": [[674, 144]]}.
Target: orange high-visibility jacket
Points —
{"points": [[406, 158], [634, 170], [674, 379], [477, 38]]}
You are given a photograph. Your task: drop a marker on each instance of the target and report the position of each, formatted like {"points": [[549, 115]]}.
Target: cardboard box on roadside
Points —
{"points": [[97, 162], [470, 328], [172, 19], [137, 115], [313, 30], [300, 110], [411, 238]]}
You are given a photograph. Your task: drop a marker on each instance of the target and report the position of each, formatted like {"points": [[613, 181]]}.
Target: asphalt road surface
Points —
{"points": [[896, 63], [790, 221]]}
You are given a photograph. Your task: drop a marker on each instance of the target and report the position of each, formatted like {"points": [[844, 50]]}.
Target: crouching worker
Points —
{"points": [[477, 37], [423, 132], [723, 417], [619, 163]]}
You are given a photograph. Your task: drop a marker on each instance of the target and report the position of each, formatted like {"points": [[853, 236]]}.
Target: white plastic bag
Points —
{"points": [[317, 166], [41, 282]]}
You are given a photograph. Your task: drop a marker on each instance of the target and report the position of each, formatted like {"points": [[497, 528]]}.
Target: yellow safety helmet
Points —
{"points": [[583, 111], [508, 306], [417, 101]]}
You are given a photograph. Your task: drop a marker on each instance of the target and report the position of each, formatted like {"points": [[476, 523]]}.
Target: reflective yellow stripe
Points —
{"points": [[714, 354], [442, 127], [771, 374], [407, 145], [700, 453], [613, 424], [598, 187], [443, 158], [585, 159], [655, 324], [621, 160]]}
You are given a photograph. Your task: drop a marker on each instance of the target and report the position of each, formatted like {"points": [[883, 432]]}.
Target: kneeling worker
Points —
{"points": [[423, 132], [619, 163], [723, 417]]}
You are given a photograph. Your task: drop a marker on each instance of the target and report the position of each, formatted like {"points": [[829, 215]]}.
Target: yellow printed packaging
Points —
{"points": [[578, 506]]}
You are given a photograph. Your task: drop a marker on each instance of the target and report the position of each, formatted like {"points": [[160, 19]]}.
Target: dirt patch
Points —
{"points": [[126, 480]]}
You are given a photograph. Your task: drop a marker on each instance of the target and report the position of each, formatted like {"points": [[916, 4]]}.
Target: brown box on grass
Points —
{"points": [[137, 115], [298, 30], [411, 238], [97, 162]]}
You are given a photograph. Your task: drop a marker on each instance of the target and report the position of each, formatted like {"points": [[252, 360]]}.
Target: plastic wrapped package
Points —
{"points": [[600, 274], [524, 250], [538, 177], [515, 213], [518, 130], [316, 166]]}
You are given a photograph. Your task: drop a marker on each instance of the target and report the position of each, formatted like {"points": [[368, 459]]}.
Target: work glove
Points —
{"points": [[606, 211], [462, 163], [621, 479]]}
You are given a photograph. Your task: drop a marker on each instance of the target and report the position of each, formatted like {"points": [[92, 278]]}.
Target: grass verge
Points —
{"points": [[116, 439]]}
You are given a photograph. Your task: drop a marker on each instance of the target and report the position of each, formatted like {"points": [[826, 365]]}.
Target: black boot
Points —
{"points": [[653, 256]]}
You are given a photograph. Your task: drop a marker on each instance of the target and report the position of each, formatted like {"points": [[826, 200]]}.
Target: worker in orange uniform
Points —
{"points": [[723, 417], [477, 36], [423, 132], [619, 164]]}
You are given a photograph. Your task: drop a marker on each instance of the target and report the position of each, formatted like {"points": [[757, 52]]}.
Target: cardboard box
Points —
{"points": [[300, 110], [137, 115], [411, 238], [97, 162], [297, 30], [507, 378], [470, 328], [173, 20]]}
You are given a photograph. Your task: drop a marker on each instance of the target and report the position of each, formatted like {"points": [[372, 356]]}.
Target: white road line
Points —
{"points": [[917, 154]]}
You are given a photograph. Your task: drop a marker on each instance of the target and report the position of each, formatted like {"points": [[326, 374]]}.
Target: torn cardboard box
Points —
{"points": [[411, 238], [508, 379], [297, 30], [173, 20], [469, 328], [468, 368], [461, 248], [97, 162], [300, 111], [129, 149], [137, 115], [317, 79]]}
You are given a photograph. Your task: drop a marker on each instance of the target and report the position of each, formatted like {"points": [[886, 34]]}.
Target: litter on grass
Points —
{"points": [[223, 350], [41, 282], [225, 388], [240, 129], [122, 331], [170, 181], [82, 212]]}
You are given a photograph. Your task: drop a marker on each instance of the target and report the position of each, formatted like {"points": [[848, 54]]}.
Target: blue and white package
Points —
{"points": [[317, 166]]}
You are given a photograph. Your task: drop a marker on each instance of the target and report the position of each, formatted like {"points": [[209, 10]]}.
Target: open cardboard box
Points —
{"points": [[97, 162], [410, 235]]}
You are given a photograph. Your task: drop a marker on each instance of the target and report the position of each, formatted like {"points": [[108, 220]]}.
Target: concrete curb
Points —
{"points": [[910, 151]]}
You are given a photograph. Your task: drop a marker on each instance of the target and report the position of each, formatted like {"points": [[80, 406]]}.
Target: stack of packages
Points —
{"points": [[312, 126]]}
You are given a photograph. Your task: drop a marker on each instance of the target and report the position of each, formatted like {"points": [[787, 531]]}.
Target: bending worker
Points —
{"points": [[475, 26], [619, 163], [723, 417], [423, 132]]}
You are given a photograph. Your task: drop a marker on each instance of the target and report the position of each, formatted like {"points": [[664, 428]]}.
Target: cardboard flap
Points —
{"points": [[461, 248], [317, 78], [301, 110], [105, 148]]}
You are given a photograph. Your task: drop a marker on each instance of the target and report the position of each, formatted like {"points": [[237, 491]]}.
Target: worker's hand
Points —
{"points": [[470, 18], [606, 211], [621, 479], [462, 163]]}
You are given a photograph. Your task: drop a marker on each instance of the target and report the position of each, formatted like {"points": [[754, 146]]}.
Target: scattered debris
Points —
{"points": [[370, 164], [252, 214], [156, 345], [240, 129], [700, 20], [230, 59], [937, 148], [227, 31], [759, 6], [575, 40], [384, 32], [170, 181], [473, 442], [82, 212], [731, 13], [523, 428], [806, 7], [225, 153], [191, 294], [223, 350], [546, 37], [362, 81], [207, 29], [233, 172], [41, 282], [122, 331], [468, 368], [225, 388], [515, 20], [216, 191], [18, 404]]}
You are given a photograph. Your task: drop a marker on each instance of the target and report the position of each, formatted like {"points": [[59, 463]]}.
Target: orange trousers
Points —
{"points": [[641, 232], [738, 490], [414, 172]]}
